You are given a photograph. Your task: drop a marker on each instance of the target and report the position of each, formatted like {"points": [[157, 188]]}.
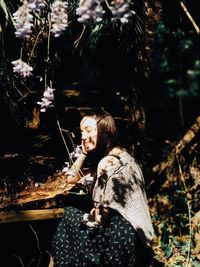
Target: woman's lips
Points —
{"points": [[86, 143]]}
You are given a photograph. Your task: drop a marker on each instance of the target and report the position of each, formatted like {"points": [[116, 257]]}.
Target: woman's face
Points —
{"points": [[88, 127]]}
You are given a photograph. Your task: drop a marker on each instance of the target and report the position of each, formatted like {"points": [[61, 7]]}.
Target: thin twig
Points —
{"points": [[48, 51], [37, 240], [79, 38], [21, 52], [189, 17], [69, 135], [190, 232], [37, 258], [35, 43], [61, 133], [38, 243], [18, 259], [109, 7]]}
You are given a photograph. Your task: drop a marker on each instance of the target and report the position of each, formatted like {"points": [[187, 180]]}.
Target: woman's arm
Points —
{"points": [[75, 171]]}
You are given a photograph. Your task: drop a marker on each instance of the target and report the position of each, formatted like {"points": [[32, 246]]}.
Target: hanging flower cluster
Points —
{"points": [[121, 11], [59, 18], [23, 21], [22, 68], [36, 4], [47, 99], [90, 11]]}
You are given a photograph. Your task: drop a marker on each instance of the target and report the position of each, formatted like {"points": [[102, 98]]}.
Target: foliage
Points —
{"points": [[175, 212], [177, 60], [175, 208]]}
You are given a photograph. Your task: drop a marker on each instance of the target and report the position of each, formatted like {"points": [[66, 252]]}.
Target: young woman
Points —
{"points": [[118, 229]]}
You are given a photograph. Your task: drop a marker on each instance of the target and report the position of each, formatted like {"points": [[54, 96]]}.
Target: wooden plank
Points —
{"points": [[46, 191], [30, 215]]}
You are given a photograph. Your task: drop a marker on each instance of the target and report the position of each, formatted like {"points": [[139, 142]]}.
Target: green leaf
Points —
{"points": [[195, 264], [175, 241], [171, 81], [185, 247], [168, 251]]}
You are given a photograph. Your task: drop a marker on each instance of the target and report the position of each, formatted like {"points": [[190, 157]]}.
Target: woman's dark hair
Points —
{"points": [[107, 133]]}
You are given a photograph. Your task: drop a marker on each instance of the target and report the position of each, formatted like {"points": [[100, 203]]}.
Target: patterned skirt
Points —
{"points": [[75, 244]]}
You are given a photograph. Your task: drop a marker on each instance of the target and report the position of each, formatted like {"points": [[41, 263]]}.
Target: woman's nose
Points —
{"points": [[84, 135]]}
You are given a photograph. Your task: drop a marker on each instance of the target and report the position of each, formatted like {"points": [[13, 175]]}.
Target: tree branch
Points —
{"points": [[190, 134]]}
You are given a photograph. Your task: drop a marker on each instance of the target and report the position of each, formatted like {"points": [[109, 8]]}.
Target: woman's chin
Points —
{"points": [[89, 148]]}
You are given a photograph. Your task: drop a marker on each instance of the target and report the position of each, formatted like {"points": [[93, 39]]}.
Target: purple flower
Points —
{"points": [[47, 99], [22, 68], [67, 170], [90, 11], [77, 151], [36, 4], [59, 17], [121, 11], [23, 21]]}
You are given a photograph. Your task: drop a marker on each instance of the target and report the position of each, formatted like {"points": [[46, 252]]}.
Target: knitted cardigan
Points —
{"points": [[120, 185]]}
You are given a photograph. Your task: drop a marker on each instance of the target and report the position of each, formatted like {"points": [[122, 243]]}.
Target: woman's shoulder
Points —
{"points": [[112, 158]]}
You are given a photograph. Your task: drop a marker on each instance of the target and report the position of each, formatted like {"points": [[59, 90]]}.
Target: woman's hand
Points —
{"points": [[75, 172], [101, 215]]}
